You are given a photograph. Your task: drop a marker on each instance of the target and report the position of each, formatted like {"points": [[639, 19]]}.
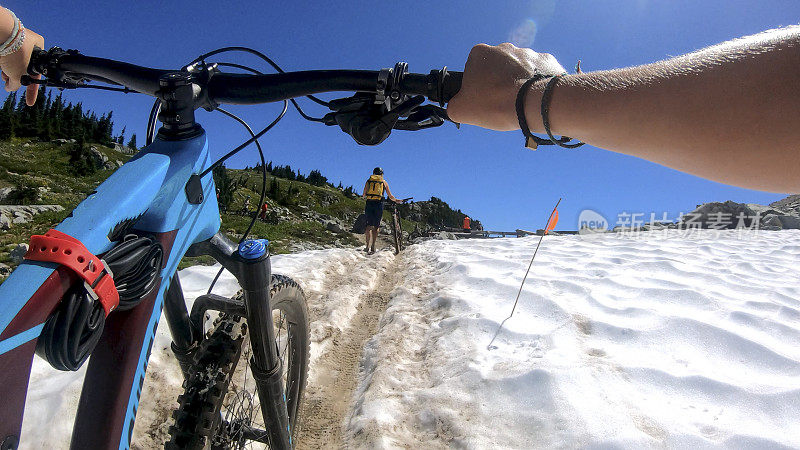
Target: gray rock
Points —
{"points": [[97, 157], [125, 150], [18, 252], [790, 205], [4, 193], [720, 216], [771, 222], [334, 226], [22, 213], [789, 222], [780, 222], [4, 270]]}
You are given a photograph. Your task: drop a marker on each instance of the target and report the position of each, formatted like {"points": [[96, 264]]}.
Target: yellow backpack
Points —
{"points": [[374, 187]]}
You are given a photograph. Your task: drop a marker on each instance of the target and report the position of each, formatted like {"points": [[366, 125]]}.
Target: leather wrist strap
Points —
{"points": [[563, 141], [531, 141]]}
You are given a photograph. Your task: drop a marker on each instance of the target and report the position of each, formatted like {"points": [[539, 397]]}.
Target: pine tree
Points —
{"points": [[7, 117], [121, 137], [79, 160], [132, 142], [6, 125], [226, 186]]}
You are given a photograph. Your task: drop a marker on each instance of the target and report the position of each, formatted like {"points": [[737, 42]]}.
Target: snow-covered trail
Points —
{"points": [[334, 372], [617, 342], [346, 293]]}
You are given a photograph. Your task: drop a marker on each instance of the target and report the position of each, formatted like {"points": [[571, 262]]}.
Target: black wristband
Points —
{"points": [[531, 141], [546, 95]]}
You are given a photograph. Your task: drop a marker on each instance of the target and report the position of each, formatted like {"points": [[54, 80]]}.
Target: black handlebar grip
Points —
{"points": [[38, 61], [451, 84], [439, 85]]}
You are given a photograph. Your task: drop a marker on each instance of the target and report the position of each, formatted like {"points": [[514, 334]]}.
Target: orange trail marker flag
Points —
{"points": [[551, 224]]}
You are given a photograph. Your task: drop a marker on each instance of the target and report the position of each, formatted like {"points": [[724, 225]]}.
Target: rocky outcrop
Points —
{"points": [[125, 150], [16, 214], [790, 205], [781, 215], [100, 160], [720, 216], [4, 192]]}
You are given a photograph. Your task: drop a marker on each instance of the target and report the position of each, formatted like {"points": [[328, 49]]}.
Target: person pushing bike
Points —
{"points": [[374, 189]]}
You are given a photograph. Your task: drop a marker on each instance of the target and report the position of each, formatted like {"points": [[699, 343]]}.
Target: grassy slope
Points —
{"points": [[46, 165]]}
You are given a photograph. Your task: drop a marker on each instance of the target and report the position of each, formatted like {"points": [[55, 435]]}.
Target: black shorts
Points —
{"points": [[374, 211]]}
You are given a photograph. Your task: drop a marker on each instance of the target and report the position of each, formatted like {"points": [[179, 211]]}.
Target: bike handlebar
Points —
{"points": [[233, 88]]}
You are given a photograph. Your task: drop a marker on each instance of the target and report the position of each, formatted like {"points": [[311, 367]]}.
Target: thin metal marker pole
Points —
{"points": [[489, 347]]}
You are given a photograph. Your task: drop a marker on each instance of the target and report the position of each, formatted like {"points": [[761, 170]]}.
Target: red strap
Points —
{"points": [[64, 249]]}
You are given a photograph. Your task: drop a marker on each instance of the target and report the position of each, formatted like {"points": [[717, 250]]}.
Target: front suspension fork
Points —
{"points": [[250, 264]]}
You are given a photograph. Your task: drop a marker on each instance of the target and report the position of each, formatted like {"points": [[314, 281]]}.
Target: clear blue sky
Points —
{"points": [[487, 174]]}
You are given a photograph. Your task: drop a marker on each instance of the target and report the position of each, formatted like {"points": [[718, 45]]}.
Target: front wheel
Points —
{"points": [[220, 408]]}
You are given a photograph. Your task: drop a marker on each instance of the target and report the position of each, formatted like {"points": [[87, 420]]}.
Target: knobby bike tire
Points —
{"points": [[397, 233], [217, 409]]}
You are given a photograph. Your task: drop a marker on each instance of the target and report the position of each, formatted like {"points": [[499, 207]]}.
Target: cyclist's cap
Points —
{"points": [[377, 171]]}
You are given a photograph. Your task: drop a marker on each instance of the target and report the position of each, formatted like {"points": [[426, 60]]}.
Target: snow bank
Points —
{"points": [[616, 342]]}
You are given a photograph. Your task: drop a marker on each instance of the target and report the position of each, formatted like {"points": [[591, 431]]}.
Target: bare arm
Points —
{"points": [[388, 192], [364, 192], [729, 113]]}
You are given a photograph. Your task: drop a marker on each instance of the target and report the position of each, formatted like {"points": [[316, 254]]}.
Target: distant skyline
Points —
{"points": [[486, 174]]}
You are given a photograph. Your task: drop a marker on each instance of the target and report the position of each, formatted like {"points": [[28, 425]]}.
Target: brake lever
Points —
{"points": [[27, 80], [427, 116]]}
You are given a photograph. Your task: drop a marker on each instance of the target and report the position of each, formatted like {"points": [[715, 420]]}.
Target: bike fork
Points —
{"points": [[250, 264]]}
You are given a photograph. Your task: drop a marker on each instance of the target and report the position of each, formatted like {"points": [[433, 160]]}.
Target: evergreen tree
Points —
{"points": [[7, 117], [226, 186], [315, 177], [121, 138], [274, 189], [132, 142], [6, 125], [80, 160]]}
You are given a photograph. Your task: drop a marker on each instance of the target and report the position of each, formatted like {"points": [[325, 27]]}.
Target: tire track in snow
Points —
{"points": [[334, 373]]}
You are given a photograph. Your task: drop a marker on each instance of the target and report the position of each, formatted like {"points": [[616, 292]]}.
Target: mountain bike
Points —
{"points": [[98, 282], [397, 229]]}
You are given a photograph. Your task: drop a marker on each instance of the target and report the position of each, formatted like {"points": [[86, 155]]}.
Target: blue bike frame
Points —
{"points": [[150, 189]]}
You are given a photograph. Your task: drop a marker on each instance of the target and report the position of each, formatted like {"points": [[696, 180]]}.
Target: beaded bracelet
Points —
{"points": [[14, 42]]}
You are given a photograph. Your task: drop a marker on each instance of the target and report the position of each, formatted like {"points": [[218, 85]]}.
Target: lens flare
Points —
{"points": [[525, 34]]}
